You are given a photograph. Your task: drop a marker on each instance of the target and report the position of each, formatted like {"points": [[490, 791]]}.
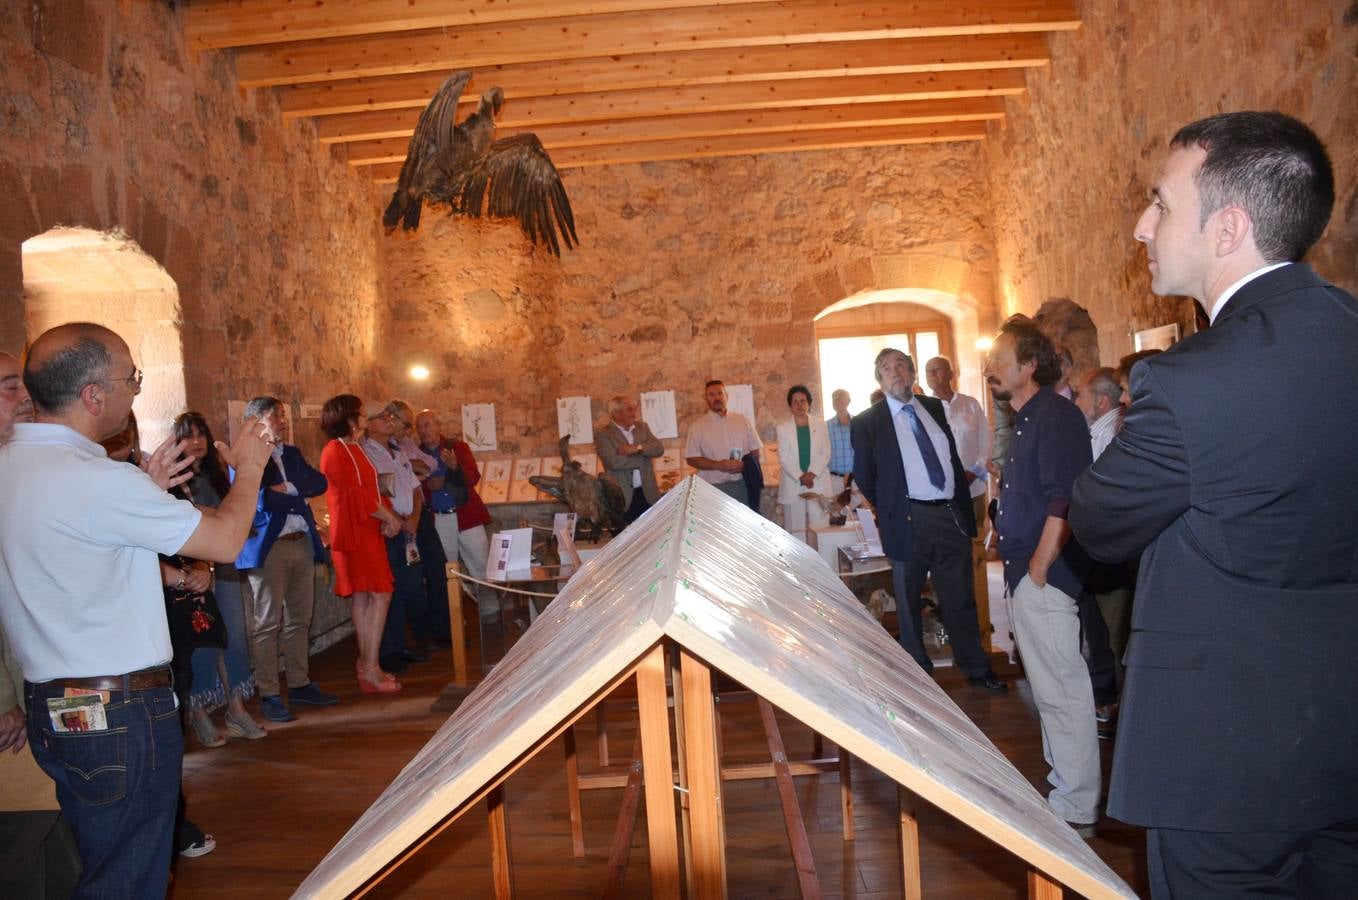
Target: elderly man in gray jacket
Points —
{"points": [[626, 448]]}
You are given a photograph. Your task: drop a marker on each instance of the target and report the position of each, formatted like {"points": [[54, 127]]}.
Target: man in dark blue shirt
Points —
{"points": [[1043, 568]]}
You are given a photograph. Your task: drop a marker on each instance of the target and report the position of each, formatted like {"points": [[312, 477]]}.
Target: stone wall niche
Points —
{"points": [[82, 275]]}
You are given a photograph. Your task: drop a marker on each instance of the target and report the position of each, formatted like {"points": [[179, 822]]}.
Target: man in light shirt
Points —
{"points": [[839, 427], [627, 448], [969, 428], [82, 605], [1097, 393], [718, 442]]}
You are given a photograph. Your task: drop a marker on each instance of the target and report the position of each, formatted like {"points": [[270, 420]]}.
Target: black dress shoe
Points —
{"points": [[990, 681], [414, 656]]}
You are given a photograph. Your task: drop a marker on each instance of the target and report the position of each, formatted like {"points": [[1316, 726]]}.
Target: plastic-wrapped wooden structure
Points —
{"points": [[737, 594]]}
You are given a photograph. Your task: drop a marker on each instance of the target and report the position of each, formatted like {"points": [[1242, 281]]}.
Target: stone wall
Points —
{"points": [[686, 271], [107, 122], [1071, 167]]}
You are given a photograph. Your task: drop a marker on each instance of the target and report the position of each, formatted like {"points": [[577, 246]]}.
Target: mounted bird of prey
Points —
{"points": [[456, 165]]}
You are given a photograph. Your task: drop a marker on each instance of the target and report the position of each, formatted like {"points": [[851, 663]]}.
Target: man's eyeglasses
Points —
{"points": [[395, 418], [133, 381]]}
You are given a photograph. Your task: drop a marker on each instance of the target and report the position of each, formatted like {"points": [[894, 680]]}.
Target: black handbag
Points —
{"points": [[194, 618]]}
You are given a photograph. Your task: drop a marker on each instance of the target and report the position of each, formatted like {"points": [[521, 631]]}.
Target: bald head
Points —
{"points": [[65, 359], [15, 406]]}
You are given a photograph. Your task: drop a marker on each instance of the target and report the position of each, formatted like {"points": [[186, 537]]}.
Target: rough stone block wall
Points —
{"points": [[686, 271], [1071, 168], [107, 122]]}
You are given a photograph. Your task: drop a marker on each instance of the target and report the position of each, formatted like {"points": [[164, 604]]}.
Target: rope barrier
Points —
{"points": [[499, 586]]}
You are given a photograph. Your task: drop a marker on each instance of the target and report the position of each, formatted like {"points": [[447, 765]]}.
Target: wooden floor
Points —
{"points": [[277, 806]]}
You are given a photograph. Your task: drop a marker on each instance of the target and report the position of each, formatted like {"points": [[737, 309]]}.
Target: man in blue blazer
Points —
{"points": [[1234, 477], [905, 462], [279, 561]]}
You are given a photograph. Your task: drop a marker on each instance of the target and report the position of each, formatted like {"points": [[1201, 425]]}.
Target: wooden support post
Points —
{"points": [[817, 745], [708, 847], [802, 859], [981, 580], [573, 794], [681, 756], [601, 730], [911, 884], [502, 876], [459, 631], [653, 708], [1040, 887], [627, 824], [846, 793]]}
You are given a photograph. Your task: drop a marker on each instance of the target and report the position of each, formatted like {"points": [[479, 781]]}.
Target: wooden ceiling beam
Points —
{"points": [[622, 34], [743, 145], [897, 56], [708, 125], [218, 24], [538, 112]]}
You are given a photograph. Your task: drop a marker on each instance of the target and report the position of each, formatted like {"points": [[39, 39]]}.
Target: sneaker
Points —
{"points": [[1085, 830], [310, 695], [200, 847], [275, 711], [1106, 721]]}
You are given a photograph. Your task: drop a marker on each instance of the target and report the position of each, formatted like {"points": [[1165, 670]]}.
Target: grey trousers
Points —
{"points": [[1047, 627], [282, 595]]}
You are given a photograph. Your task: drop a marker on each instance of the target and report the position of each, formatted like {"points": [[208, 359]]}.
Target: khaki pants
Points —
{"points": [[282, 594]]}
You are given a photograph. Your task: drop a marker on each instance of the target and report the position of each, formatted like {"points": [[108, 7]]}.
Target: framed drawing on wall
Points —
{"points": [[1160, 338]]}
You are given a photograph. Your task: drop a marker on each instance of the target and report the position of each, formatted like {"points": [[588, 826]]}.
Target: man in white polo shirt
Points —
{"points": [[718, 442], [81, 602]]}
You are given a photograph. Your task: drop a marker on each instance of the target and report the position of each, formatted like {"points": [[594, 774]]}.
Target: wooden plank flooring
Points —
{"points": [[278, 805]]}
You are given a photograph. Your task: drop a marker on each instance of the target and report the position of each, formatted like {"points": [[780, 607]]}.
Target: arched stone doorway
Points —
{"points": [[952, 318], [82, 275]]}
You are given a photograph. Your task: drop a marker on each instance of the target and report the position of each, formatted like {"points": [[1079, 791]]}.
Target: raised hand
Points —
{"points": [[252, 446], [169, 465]]}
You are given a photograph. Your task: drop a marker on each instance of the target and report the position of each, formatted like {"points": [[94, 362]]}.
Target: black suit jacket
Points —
{"points": [[880, 475], [1235, 474]]}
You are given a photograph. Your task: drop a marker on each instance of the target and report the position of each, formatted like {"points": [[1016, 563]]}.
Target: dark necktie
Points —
{"points": [[926, 448]]}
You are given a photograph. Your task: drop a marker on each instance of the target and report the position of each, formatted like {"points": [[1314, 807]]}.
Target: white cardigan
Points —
{"points": [[789, 486]]}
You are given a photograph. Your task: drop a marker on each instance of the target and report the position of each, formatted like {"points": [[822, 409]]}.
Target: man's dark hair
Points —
{"points": [[887, 351], [55, 382], [800, 389], [1271, 166], [338, 415], [712, 382], [260, 407], [1124, 369], [1032, 346]]}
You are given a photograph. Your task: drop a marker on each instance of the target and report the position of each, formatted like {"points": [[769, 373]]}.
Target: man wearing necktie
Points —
{"points": [[906, 464]]}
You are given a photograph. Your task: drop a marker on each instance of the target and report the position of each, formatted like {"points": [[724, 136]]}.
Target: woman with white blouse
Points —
{"points": [[804, 460]]}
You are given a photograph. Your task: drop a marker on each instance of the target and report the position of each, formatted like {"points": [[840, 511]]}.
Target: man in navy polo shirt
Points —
{"points": [[1044, 569]]}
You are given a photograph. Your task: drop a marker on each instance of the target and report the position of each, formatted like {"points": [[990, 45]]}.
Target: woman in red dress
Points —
{"points": [[360, 519]]}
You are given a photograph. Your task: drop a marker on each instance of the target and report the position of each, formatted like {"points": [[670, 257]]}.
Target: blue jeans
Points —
{"points": [[208, 691], [117, 788], [407, 595]]}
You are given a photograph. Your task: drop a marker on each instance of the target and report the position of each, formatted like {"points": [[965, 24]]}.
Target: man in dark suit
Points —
{"points": [[279, 561], [905, 462], [1234, 476]]}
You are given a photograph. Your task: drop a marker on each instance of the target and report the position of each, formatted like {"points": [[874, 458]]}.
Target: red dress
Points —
{"points": [[357, 547]]}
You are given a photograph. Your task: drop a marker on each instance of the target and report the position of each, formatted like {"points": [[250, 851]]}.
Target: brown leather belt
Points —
{"points": [[295, 536], [142, 680]]}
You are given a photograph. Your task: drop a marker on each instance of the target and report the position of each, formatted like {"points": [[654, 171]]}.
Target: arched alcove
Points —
{"points": [[82, 275], [911, 310]]}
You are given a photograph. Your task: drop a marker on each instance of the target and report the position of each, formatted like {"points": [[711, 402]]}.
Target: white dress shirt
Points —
{"points": [[972, 434], [1230, 291], [293, 524], [1104, 429], [916, 473], [629, 434]]}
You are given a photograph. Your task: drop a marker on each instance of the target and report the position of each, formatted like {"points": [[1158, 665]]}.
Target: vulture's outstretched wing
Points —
{"points": [[433, 146], [522, 184]]}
